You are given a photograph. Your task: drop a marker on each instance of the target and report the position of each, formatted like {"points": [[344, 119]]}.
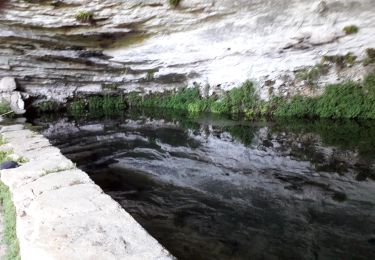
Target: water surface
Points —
{"points": [[216, 188]]}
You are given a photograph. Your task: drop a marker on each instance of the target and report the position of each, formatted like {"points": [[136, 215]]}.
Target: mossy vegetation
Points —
{"points": [[4, 108], [85, 17], [106, 103], [76, 107], [311, 75], [354, 135], [341, 61], [346, 100], [100, 105], [111, 86], [4, 156], [48, 106], [9, 212], [174, 3], [351, 29], [237, 100], [370, 59], [22, 160], [150, 75]]}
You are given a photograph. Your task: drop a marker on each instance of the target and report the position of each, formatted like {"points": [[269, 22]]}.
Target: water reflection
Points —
{"points": [[216, 188]]}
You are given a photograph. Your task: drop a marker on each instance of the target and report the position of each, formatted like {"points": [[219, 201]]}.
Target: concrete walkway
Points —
{"points": [[62, 214]]}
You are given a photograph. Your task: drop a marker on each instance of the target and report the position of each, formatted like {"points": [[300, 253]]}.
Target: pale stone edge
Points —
{"points": [[47, 169]]}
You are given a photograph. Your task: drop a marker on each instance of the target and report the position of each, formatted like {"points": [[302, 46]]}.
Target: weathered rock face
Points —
{"points": [[149, 46], [9, 95]]}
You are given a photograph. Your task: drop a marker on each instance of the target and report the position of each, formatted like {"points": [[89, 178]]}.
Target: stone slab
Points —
{"points": [[62, 214]]}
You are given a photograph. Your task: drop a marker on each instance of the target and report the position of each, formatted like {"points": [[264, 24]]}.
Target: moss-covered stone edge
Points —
{"points": [[9, 215]]}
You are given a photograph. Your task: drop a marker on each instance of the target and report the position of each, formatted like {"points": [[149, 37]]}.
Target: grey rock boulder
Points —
{"points": [[8, 84], [16, 103]]}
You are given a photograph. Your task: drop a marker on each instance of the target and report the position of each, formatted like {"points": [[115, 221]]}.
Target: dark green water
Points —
{"points": [[216, 188]]}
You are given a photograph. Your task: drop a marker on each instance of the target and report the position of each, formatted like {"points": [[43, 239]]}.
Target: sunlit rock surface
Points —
{"points": [[149, 46]]}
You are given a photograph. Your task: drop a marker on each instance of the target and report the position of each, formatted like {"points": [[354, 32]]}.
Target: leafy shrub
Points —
{"points": [[107, 104], [220, 106], [347, 100], [298, 106], [341, 101], [243, 97]]}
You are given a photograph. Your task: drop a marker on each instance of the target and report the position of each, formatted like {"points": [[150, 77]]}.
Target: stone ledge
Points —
{"points": [[62, 214]]}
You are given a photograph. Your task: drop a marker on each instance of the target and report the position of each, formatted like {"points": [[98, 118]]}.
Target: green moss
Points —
{"points": [[351, 29], [150, 75], [369, 86], [340, 61], [84, 16], [4, 156], [311, 75], [22, 160], [221, 106], [2, 140], [9, 212], [111, 86], [298, 106], [175, 100], [97, 105], [370, 59], [4, 108], [107, 104], [242, 98], [370, 53], [76, 107], [342, 101], [134, 99], [234, 101], [347, 100], [174, 3], [48, 106]]}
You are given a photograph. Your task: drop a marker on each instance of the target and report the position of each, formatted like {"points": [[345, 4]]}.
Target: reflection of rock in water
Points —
{"points": [[195, 226], [228, 191]]}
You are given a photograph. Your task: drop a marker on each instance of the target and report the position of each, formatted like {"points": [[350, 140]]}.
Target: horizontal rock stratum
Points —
{"points": [[143, 46], [61, 213]]}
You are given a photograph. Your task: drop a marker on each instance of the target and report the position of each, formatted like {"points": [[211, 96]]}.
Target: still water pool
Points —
{"points": [[212, 187]]}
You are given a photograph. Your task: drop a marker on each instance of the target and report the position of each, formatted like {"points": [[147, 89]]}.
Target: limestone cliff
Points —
{"points": [[147, 45]]}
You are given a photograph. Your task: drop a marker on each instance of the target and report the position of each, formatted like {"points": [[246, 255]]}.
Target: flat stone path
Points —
{"points": [[62, 214]]}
